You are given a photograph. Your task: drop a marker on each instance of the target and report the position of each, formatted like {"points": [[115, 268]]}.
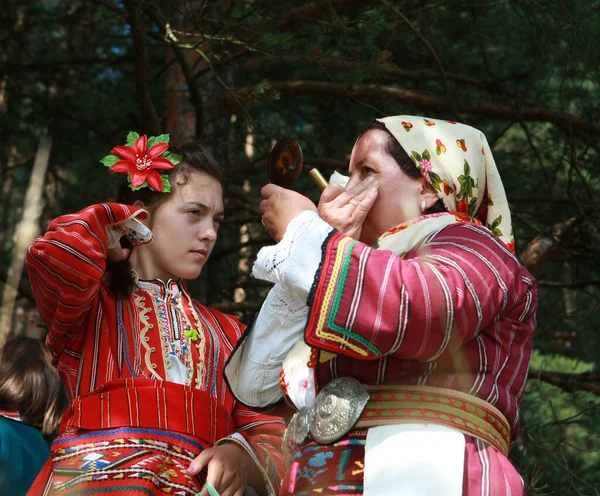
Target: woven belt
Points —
{"points": [[390, 405], [151, 404], [345, 404]]}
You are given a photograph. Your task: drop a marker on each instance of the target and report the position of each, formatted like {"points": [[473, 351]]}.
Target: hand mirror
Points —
{"points": [[284, 164]]}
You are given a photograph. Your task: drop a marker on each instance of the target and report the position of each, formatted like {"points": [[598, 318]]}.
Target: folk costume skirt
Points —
{"points": [[339, 469], [135, 437]]}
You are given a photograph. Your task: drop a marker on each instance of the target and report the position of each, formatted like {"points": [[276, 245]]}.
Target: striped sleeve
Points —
{"points": [[366, 303], [260, 435], [66, 266]]}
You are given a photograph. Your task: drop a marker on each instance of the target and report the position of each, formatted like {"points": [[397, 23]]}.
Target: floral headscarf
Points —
{"points": [[458, 163]]}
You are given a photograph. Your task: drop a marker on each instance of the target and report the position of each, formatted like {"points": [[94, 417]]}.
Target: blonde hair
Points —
{"points": [[30, 385]]}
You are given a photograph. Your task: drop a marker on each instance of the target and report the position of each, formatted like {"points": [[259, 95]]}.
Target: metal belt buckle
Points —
{"points": [[337, 409], [297, 431]]}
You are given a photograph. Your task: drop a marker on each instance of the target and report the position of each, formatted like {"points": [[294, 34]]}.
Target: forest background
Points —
{"points": [[77, 75]]}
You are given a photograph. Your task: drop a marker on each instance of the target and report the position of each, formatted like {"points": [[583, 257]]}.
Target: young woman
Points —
{"points": [[32, 402], [141, 359], [403, 306]]}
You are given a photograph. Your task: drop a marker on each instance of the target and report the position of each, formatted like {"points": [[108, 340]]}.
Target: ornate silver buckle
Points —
{"points": [[338, 406]]}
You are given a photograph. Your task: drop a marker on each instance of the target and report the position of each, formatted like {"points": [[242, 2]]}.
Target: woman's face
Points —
{"points": [[400, 195], [185, 229]]}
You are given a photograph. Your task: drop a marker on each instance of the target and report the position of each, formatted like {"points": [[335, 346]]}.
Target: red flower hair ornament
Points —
{"points": [[142, 159]]}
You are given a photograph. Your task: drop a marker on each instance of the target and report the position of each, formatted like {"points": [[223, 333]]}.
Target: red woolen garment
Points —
{"points": [[457, 312], [113, 357]]}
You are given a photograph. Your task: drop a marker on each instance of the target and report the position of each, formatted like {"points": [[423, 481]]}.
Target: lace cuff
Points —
{"points": [[293, 262]]}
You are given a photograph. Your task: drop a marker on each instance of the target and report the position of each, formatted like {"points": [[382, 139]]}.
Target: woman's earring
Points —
{"points": [[423, 204]]}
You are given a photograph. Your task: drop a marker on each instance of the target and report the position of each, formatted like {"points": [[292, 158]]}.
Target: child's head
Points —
{"points": [[184, 222], [30, 384]]}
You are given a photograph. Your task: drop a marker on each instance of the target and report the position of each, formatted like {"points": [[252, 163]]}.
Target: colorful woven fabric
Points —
{"points": [[116, 356], [457, 312], [391, 405], [338, 470], [131, 461]]}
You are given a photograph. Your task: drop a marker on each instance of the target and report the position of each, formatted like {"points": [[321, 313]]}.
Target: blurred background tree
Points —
{"points": [[241, 74]]}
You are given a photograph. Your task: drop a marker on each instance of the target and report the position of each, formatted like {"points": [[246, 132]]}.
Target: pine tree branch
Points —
{"points": [[543, 245], [423, 100], [312, 11], [85, 121], [195, 94], [424, 40], [567, 285], [382, 68], [587, 381], [43, 65]]}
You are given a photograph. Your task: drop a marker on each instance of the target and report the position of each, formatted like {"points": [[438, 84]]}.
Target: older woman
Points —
{"points": [[401, 303]]}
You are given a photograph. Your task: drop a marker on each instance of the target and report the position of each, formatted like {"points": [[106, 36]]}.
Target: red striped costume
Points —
{"points": [[129, 428], [456, 312]]}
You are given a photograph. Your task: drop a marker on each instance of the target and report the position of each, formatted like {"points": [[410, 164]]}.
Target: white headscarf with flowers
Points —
{"points": [[458, 163]]}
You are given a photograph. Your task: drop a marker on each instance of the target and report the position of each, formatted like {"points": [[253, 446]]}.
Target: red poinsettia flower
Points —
{"points": [[141, 163]]}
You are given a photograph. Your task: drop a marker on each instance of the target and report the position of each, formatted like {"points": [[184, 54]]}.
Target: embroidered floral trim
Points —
{"points": [[138, 299]]}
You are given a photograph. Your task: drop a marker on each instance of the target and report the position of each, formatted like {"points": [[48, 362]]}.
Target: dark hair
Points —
{"points": [[31, 385], [402, 159], [194, 158]]}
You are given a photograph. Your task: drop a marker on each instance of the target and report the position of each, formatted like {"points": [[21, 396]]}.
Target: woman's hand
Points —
{"points": [[346, 210], [228, 467], [279, 207]]}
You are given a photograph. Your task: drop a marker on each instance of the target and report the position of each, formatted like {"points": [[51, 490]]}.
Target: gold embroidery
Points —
{"points": [[325, 307], [200, 346], [138, 299]]}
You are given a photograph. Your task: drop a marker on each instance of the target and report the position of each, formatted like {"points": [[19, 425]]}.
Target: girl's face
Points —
{"points": [[400, 195], [185, 230]]}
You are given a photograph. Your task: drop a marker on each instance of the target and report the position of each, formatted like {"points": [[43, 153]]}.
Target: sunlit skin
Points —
{"points": [[185, 230], [378, 196], [400, 196]]}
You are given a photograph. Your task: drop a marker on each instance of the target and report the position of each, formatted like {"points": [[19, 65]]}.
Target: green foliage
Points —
{"points": [[153, 140], [132, 137], [289, 69], [560, 431], [280, 41], [110, 160]]}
